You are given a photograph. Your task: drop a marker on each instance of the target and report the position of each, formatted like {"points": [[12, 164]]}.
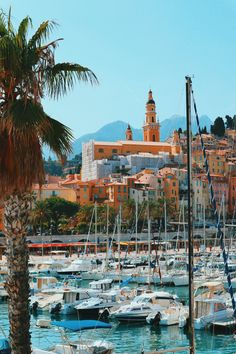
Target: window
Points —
{"points": [[114, 151], [153, 137], [124, 188], [118, 189], [153, 119], [100, 150], [53, 194]]}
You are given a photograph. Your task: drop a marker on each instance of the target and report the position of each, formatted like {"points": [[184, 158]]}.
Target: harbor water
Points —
{"points": [[131, 338]]}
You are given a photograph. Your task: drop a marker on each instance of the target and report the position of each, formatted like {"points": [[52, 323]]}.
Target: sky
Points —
{"points": [[135, 45]]}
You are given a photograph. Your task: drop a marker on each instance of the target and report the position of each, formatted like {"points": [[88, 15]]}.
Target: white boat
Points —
{"points": [[142, 306], [80, 346], [211, 305], [79, 265], [93, 307], [101, 285], [173, 315], [70, 299]]}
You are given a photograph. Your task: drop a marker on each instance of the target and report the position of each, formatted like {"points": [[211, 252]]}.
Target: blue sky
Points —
{"points": [[134, 45]]}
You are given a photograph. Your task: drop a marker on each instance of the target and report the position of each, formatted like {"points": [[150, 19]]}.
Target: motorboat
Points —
{"points": [[80, 346], [211, 304], [79, 265], [173, 315], [141, 306], [71, 298], [101, 285], [93, 307]]}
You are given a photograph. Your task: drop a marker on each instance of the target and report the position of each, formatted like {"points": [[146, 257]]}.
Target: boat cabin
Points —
{"points": [[71, 296], [102, 285], [207, 307]]}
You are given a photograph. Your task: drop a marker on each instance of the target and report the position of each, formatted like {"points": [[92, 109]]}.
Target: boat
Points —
{"points": [[141, 306], [93, 307], [176, 314], [78, 266], [71, 298], [211, 304], [80, 346]]}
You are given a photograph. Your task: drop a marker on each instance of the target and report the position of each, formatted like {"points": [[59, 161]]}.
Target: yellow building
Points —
{"points": [[54, 190], [96, 150]]}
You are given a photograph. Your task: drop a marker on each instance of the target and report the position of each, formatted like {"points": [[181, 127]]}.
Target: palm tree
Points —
{"points": [[28, 72]]}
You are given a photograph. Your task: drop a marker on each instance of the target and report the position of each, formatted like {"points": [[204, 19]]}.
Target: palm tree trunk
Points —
{"points": [[16, 216]]}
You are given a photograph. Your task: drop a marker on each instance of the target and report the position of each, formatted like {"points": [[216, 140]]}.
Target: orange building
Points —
{"points": [[95, 151], [117, 193], [232, 195], [151, 128]]}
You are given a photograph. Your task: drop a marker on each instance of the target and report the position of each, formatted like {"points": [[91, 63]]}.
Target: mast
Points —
{"points": [[165, 217], [190, 214], [136, 227], [96, 228], [118, 239], [107, 233]]}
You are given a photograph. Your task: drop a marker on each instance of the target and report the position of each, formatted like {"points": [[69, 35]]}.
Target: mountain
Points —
{"points": [[176, 122], [116, 131]]}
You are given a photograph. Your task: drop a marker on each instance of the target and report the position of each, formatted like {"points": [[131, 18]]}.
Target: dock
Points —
{"points": [[223, 327], [171, 350]]}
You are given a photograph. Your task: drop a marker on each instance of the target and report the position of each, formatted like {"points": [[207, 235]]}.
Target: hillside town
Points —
{"points": [[114, 172]]}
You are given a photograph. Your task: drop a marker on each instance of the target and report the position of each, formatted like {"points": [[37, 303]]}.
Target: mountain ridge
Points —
{"points": [[114, 131]]}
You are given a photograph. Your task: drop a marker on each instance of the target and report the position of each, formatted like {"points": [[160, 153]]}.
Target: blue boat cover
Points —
{"points": [[79, 325], [4, 344]]}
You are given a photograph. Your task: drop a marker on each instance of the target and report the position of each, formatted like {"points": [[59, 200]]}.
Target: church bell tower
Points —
{"points": [[151, 128]]}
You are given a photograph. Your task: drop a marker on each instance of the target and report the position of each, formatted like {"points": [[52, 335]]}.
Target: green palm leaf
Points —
{"points": [[62, 77], [56, 136], [42, 33]]}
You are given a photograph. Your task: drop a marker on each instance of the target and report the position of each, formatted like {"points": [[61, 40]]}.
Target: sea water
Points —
{"points": [[130, 338]]}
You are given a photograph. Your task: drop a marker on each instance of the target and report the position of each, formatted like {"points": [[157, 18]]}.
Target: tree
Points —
{"points": [[28, 73], [229, 122], [218, 128], [204, 130], [53, 209], [180, 131]]}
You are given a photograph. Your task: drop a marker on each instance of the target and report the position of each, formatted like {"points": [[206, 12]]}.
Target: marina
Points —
{"points": [[149, 336]]}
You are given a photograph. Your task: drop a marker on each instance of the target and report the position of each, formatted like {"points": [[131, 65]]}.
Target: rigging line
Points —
{"points": [[220, 234]]}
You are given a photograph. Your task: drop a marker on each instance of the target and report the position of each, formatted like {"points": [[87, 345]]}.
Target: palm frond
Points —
{"points": [[23, 30], [3, 26], [42, 33], [56, 136], [23, 115], [21, 162], [62, 77], [9, 54]]}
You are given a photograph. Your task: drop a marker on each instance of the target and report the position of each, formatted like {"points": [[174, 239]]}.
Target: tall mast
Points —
{"points": [[107, 232], [96, 228], [165, 217], [190, 213], [136, 227]]}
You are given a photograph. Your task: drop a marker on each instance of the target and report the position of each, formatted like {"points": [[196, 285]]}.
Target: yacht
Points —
{"points": [[93, 307], [173, 315], [81, 346], [79, 265], [141, 306], [211, 305]]}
